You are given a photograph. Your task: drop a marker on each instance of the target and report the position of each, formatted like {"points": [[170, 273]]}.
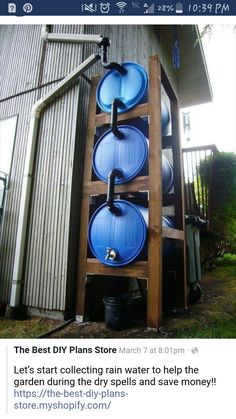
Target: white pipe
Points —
{"points": [[23, 213], [57, 37], [28, 174], [65, 37]]}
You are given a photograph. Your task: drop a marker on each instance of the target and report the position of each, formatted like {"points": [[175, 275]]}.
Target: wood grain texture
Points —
{"points": [[82, 257], [98, 187], [140, 110], [154, 297], [136, 270]]}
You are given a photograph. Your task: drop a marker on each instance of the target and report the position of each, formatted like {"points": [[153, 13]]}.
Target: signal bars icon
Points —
{"points": [[121, 5], [150, 9]]}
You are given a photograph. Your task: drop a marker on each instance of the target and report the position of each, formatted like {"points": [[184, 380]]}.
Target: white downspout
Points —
{"points": [[29, 167]]}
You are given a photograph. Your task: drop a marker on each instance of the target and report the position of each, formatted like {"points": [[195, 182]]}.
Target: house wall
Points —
{"points": [[30, 68]]}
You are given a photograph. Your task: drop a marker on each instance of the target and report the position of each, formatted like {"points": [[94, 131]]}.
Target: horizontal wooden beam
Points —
{"points": [[140, 110], [136, 270], [98, 187], [172, 233]]}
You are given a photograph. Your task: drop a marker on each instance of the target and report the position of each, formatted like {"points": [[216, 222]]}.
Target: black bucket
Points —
{"points": [[118, 312]]}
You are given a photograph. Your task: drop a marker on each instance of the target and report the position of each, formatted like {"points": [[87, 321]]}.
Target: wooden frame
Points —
{"points": [[152, 268]]}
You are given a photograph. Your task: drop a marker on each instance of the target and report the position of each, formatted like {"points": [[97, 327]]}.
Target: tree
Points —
{"points": [[221, 188]]}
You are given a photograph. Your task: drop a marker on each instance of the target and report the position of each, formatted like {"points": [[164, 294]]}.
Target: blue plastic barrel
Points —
{"points": [[120, 240], [130, 88], [129, 154]]}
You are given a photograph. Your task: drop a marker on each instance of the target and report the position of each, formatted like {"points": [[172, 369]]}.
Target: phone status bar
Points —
{"points": [[119, 8]]}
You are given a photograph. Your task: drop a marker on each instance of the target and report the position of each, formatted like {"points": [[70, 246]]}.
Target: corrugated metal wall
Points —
{"points": [[32, 64], [21, 51], [49, 222], [47, 253], [29, 63], [21, 106]]}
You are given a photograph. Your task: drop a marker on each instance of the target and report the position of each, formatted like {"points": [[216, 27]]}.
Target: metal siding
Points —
{"points": [[21, 55], [61, 58], [47, 252], [20, 106], [49, 223], [47, 246], [21, 49]]}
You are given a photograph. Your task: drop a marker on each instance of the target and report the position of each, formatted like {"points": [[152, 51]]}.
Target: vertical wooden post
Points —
{"points": [[82, 259], [181, 285], [154, 297]]}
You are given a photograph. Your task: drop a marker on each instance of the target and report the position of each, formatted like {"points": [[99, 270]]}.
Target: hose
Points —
{"points": [[56, 329]]}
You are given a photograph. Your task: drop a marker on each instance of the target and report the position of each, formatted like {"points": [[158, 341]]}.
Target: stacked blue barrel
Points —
{"points": [[118, 229]]}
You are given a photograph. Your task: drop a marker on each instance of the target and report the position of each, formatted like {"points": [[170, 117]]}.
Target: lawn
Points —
{"points": [[214, 316], [30, 328]]}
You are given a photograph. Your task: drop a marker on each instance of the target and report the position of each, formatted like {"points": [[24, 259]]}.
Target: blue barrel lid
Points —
{"points": [[126, 233], [129, 154], [130, 87]]}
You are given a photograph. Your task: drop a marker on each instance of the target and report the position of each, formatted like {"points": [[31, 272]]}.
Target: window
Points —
{"points": [[7, 137]]}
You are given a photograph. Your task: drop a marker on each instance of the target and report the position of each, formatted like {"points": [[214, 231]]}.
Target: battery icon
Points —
{"points": [[179, 8]]}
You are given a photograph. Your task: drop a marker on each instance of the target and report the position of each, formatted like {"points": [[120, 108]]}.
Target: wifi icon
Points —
{"points": [[121, 5]]}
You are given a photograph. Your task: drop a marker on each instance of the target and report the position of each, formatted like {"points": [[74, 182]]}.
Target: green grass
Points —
{"points": [[30, 328], [220, 329], [227, 260], [214, 316]]}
